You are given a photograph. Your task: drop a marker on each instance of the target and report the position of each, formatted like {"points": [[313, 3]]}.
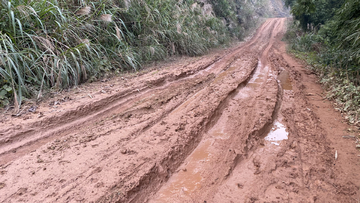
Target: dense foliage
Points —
{"points": [[313, 13], [330, 38], [60, 43]]}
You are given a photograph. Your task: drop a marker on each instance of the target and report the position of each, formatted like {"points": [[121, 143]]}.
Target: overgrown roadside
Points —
{"points": [[326, 38], [341, 135], [339, 84], [54, 45]]}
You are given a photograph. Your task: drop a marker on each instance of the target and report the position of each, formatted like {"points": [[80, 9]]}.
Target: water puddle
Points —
{"points": [[189, 178], [255, 82], [285, 80], [258, 77], [277, 133], [218, 131]]}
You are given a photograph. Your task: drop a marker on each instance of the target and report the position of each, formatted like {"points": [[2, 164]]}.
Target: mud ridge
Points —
{"points": [[80, 115], [255, 137], [72, 119], [166, 113], [105, 105], [218, 111], [159, 173]]}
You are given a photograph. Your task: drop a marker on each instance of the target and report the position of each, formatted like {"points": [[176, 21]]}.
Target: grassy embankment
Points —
{"points": [[332, 50], [56, 44]]}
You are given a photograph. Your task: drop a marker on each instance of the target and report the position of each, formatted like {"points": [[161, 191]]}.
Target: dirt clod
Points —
{"points": [[123, 151]]}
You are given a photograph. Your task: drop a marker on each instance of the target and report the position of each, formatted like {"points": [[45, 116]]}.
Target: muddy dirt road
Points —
{"points": [[233, 126]]}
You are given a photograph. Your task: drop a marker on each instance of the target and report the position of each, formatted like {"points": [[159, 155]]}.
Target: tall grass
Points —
{"points": [[60, 43]]}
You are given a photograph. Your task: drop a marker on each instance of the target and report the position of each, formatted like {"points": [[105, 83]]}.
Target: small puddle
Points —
{"points": [[277, 133], [189, 178], [285, 80], [258, 78], [218, 131], [255, 82]]}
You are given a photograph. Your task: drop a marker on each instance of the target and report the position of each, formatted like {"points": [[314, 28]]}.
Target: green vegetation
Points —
{"points": [[58, 43], [329, 39], [313, 13]]}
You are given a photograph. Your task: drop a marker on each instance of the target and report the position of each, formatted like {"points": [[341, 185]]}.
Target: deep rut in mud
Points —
{"points": [[231, 127]]}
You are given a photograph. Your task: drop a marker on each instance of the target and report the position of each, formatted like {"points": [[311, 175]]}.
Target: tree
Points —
{"points": [[290, 3], [302, 11], [312, 13]]}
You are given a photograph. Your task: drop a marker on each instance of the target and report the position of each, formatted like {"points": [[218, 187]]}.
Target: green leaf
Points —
{"points": [[7, 88], [2, 94]]}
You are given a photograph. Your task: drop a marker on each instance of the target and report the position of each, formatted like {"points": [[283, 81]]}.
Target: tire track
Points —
{"points": [[39, 133], [128, 148]]}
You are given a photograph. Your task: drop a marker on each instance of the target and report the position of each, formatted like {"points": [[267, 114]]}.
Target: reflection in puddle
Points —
{"points": [[218, 131], [258, 77], [189, 178], [277, 133], [255, 82]]}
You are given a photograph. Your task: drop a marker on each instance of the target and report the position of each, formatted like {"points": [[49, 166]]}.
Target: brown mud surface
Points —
{"points": [[247, 124]]}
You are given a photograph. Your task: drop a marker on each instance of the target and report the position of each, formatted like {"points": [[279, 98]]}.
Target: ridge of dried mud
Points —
{"points": [[192, 132]]}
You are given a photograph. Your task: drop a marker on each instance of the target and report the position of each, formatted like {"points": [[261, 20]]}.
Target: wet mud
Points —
{"points": [[232, 126]]}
